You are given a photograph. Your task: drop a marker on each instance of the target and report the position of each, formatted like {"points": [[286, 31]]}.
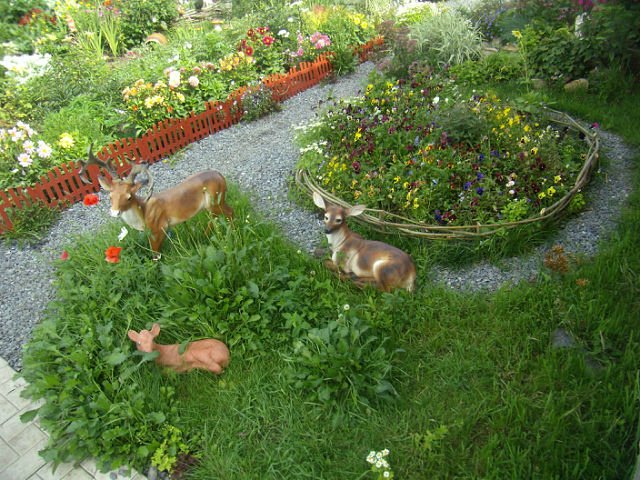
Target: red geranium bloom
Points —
{"points": [[112, 254], [64, 255], [267, 40], [90, 199]]}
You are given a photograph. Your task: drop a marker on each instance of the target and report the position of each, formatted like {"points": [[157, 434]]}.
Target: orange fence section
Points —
{"points": [[62, 185]]}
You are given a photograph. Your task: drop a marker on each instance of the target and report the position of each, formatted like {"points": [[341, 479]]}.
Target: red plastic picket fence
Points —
{"points": [[62, 185]]}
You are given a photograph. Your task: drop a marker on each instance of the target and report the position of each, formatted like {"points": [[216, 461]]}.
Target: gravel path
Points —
{"points": [[259, 157]]}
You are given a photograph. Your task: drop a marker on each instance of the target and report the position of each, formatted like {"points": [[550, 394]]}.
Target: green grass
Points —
{"points": [[481, 393]]}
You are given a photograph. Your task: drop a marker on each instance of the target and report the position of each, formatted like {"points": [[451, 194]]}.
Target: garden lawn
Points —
{"points": [[479, 389]]}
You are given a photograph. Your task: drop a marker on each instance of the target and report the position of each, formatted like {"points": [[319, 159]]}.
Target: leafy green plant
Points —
{"points": [[497, 67], [343, 360], [446, 39], [257, 102], [141, 18], [172, 446], [30, 224], [485, 16]]}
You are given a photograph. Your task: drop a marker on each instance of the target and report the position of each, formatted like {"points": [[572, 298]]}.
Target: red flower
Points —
{"points": [[90, 199], [267, 40], [64, 255], [112, 254], [248, 51]]}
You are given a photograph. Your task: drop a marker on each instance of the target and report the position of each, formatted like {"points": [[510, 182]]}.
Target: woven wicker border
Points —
{"points": [[388, 222]]}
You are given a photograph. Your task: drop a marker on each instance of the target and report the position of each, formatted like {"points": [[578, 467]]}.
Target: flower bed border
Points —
{"points": [[386, 222], [62, 186]]}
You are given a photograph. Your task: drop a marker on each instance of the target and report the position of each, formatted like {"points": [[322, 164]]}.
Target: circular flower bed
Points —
{"points": [[430, 163]]}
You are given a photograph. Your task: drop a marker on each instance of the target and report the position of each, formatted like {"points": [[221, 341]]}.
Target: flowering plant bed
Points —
{"points": [[432, 166]]}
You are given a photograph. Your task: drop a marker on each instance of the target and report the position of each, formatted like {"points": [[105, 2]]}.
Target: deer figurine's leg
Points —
{"points": [[222, 209], [155, 240]]}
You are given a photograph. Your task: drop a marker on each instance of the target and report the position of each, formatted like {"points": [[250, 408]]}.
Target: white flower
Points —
{"points": [[283, 33], [510, 183], [44, 150], [174, 79], [194, 81], [435, 100], [24, 160], [512, 192], [123, 233], [346, 306], [386, 474], [28, 146], [15, 134], [385, 452], [187, 45]]}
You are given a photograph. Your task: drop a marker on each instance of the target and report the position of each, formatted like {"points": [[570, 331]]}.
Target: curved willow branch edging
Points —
{"points": [[384, 221]]}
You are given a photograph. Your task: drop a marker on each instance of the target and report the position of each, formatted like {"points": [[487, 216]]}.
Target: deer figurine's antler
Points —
{"points": [[137, 169], [93, 160]]}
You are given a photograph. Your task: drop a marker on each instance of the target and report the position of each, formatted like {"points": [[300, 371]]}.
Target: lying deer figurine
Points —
{"points": [[165, 209], [368, 261], [208, 354]]}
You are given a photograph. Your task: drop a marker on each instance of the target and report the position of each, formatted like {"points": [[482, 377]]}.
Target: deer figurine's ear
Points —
{"points": [[319, 201], [133, 336], [155, 330], [104, 183], [355, 210]]}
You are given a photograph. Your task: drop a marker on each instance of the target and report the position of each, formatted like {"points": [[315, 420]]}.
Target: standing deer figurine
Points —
{"points": [[208, 354], [204, 190], [368, 261]]}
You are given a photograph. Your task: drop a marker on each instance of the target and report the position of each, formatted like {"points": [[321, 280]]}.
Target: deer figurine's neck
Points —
{"points": [[134, 216], [169, 354], [337, 238]]}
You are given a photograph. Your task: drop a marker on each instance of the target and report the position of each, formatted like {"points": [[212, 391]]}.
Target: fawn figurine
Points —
{"points": [[366, 261], [208, 354]]}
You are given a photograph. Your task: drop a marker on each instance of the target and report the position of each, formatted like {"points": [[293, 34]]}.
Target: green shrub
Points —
{"points": [[552, 52], [257, 102], [498, 67], [141, 18], [485, 17], [446, 39], [611, 37], [342, 361], [30, 224]]}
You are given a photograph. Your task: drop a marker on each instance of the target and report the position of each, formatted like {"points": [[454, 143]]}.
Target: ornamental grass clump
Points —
{"points": [[417, 149]]}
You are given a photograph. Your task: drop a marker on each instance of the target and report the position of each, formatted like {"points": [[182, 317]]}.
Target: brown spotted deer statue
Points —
{"points": [[204, 190], [366, 261], [208, 354]]}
